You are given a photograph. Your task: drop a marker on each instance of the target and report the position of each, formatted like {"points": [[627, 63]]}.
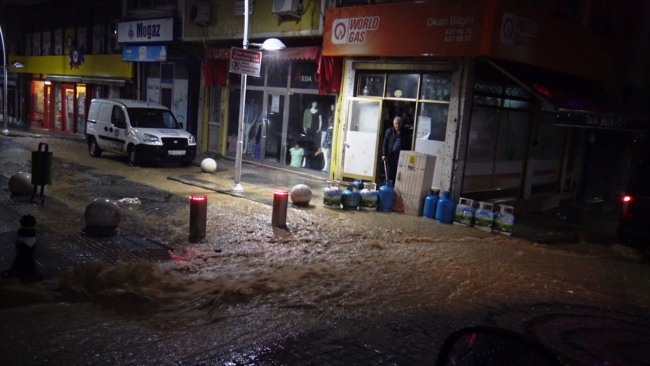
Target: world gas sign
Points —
{"points": [[353, 30]]}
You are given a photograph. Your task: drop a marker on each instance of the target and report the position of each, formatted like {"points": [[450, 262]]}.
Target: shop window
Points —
{"points": [[402, 86], [432, 122], [500, 95], [38, 106], [277, 74], [215, 103], [436, 87], [548, 147], [496, 153], [371, 85], [304, 75], [309, 119]]}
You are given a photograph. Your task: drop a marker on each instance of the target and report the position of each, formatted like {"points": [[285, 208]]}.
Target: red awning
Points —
{"points": [[329, 68], [294, 53]]}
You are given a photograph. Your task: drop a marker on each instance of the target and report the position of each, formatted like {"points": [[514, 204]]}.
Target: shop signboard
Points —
{"points": [[144, 53], [146, 31], [593, 120], [245, 62], [304, 75], [503, 29], [427, 28]]}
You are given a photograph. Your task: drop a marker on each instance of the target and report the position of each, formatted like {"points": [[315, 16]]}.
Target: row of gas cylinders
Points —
{"points": [[483, 217], [359, 196], [365, 196]]}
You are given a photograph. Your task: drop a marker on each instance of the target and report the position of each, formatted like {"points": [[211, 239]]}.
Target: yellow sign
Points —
{"points": [[93, 65], [412, 160]]}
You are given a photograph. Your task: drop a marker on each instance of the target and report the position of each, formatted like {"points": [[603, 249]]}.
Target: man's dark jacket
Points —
{"points": [[389, 140]]}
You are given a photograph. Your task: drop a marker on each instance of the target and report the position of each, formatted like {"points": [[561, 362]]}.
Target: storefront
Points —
{"points": [[61, 87], [458, 78], [289, 114]]}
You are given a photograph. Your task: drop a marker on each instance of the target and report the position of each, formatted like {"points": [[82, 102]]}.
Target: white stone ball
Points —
{"points": [[103, 213], [20, 184], [208, 165], [300, 195]]}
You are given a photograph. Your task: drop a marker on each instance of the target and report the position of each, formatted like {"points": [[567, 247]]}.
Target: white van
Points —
{"points": [[145, 132]]}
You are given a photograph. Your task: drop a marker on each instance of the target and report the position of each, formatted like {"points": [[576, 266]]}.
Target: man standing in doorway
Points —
{"points": [[395, 140]]}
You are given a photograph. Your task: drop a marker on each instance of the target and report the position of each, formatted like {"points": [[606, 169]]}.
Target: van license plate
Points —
{"points": [[176, 152]]}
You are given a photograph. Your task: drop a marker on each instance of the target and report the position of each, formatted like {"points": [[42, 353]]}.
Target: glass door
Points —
{"points": [[48, 110], [274, 129], [81, 108], [361, 139], [67, 110]]}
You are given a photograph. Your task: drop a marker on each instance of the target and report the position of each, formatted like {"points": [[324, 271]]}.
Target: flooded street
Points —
{"points": [[388, 287]]}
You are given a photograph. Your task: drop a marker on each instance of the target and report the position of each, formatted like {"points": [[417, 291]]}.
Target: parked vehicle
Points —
{"points": [[493, 346], [145, 132], [634, 219]]}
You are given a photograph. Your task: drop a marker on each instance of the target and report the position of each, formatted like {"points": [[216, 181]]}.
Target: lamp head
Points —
{"points": [[17, 64], [271, 44]]}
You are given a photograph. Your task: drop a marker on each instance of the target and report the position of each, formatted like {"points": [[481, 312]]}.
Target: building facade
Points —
{"points": [[506, 94]]}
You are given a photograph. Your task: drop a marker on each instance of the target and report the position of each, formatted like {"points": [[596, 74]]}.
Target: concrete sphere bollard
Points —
{"points": [[208, 165], [300, 195], [102, 217], [20, 184]]}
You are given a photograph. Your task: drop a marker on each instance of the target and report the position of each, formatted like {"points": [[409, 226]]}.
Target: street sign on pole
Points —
{"points": [[245, 62]]}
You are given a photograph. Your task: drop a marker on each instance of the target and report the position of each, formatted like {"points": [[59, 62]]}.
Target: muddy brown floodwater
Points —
{"points": [[251, 282]]}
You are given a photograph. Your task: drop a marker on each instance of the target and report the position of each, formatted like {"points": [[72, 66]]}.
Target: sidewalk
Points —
{"points": [[259, 182]]}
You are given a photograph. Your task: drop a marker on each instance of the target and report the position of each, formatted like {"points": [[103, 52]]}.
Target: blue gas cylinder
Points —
{"points": [[430, 205], [358, 183], [351, 198], [445, 209], [386, 197]]}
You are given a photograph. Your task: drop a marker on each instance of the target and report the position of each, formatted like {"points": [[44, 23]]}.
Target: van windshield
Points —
{"points": [[152, 118]]}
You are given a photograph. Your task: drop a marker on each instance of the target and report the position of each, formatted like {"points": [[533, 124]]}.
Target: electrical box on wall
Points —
{"points": [[282, 8], [200, 13]]}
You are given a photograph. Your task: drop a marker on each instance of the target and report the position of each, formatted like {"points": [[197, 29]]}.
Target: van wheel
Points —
{"points": [[133, 157], [93, 148]]}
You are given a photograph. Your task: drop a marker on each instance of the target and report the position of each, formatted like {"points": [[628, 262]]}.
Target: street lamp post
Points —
{"points": [[5, 131], [269, 44]]}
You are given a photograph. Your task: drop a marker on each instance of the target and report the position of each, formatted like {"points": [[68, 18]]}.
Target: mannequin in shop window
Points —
{"points": [[297, 154], [251, 115], [312, 120]]}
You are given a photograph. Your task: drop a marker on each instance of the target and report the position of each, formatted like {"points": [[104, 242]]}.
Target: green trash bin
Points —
{"points": [[41, 167]]}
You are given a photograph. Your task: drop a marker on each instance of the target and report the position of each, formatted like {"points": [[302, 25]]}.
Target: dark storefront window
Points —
{"points": [[286, 121]]}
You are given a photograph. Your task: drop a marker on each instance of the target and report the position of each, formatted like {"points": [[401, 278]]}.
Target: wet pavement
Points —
{"points": [[333, 289]]}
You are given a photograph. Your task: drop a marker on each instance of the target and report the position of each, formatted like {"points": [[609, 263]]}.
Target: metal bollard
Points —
{"points": [[280, 199], [198, 217]]}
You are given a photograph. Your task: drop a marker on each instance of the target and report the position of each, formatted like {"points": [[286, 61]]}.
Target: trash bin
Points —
{"points": [[41, 169], [42, 166]]}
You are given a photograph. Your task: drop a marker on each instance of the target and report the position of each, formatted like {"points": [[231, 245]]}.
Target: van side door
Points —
{"points": [[102, 125], [117, 129]]}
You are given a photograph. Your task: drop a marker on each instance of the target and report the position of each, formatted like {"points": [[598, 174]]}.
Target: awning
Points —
{"points": [[294, 53], [579, 102], [215, 67]]}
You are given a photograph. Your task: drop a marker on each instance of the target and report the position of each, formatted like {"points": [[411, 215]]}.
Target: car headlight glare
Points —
{"points": [[191, 140]]}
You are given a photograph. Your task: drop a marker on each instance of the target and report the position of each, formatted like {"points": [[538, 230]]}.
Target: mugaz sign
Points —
{"points": [[146, 31]]}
